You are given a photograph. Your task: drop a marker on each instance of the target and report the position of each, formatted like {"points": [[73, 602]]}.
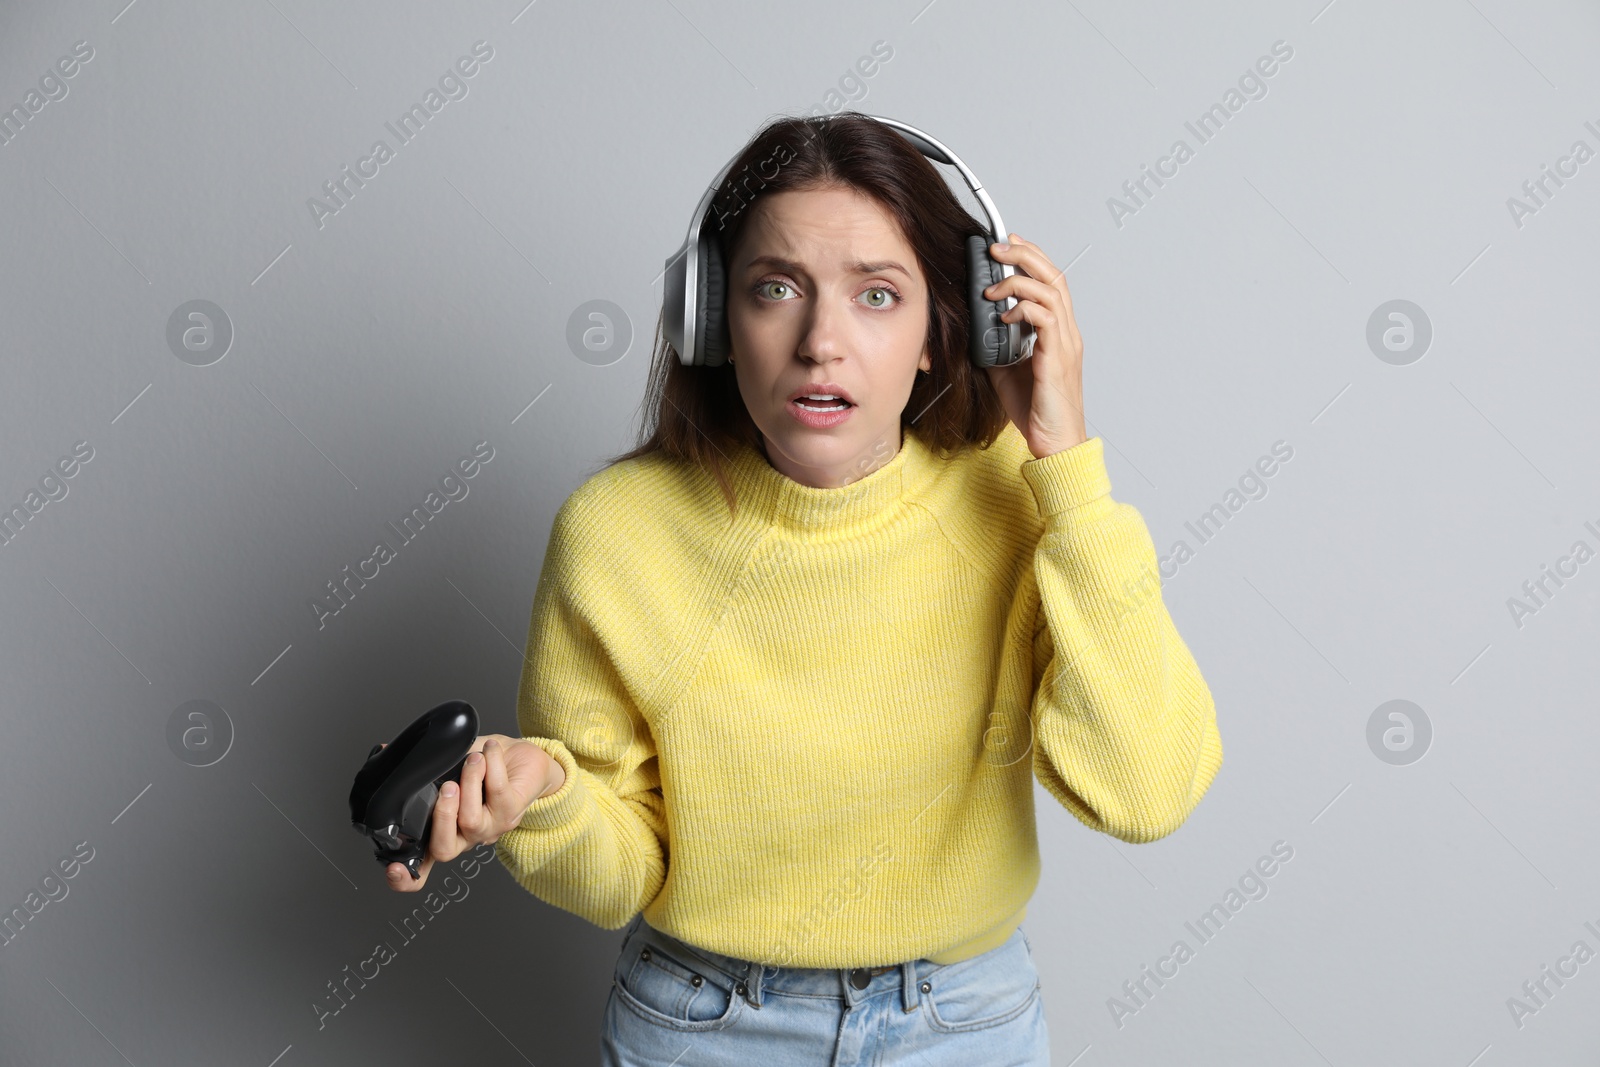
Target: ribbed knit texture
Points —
{"points": [[808, 735]]}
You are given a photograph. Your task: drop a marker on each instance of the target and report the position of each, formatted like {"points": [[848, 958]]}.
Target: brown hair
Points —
{"points": [[698, 410]]}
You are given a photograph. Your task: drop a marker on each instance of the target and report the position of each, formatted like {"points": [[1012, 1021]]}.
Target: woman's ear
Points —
{"points": [[926, 362]]}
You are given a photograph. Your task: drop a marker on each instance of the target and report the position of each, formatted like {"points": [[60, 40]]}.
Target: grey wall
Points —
{"points": [[1232, 310]]}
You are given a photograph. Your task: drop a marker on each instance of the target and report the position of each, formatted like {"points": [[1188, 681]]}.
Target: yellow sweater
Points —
{"points": [[808, 735]]}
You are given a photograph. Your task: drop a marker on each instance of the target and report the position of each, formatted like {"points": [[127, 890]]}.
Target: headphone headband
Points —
{"points": [[695, 288]]}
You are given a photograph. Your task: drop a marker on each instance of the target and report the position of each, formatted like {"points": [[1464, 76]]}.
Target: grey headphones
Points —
{"points": [[695, 295]]}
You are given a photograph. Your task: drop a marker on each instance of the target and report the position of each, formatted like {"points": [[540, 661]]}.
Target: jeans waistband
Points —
{"points": [[751, 980]]}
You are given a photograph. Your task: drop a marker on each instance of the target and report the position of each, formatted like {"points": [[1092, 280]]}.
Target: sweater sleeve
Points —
{"points": [[1125, 726], [597, 846]]}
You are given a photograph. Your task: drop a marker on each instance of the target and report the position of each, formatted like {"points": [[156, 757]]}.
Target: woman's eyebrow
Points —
{"points": [[858, 267]]}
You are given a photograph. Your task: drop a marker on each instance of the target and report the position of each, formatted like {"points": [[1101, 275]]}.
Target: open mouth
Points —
{"points": [[820, 411], [811, 403]]}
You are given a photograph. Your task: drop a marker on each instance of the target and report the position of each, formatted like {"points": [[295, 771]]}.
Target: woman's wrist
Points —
{"points": [[555, 776]]}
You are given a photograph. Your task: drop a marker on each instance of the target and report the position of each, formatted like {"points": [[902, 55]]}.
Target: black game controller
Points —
{"points": [[395, 790]]}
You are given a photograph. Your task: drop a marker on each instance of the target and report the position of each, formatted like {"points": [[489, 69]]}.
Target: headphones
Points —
{"points": [[695, 296]]}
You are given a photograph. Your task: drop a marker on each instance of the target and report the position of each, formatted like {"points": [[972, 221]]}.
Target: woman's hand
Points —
{"points": [[1042, 394], [502, 776]]}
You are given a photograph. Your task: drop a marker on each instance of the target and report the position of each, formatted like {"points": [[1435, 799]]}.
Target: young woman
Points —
{"points": [[795, 662]]}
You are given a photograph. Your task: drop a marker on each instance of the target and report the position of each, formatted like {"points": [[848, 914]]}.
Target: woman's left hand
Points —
{"points": [[1043, 394]]}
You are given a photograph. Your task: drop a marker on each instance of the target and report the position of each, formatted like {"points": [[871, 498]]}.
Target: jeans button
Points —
{"points": [[860, 978]]}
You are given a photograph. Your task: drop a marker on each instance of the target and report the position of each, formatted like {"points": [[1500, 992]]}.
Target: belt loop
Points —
{"points": [[754, 975], [908, 984]]}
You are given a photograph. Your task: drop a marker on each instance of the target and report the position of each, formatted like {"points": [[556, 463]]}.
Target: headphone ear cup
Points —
{"points": [[990, 341], [711, 303]]}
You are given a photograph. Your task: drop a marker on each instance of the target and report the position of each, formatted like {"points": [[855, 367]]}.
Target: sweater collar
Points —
{"points": [[781, 501]]}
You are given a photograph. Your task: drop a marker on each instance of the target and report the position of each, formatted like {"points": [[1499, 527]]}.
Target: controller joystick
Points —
{"points": [[394, 792]]}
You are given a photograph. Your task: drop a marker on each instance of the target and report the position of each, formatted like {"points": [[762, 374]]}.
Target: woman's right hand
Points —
{"points": [[502, 776]]}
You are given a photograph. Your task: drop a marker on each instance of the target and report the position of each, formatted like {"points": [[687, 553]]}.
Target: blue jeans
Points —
{"points": [[674, 1004]]}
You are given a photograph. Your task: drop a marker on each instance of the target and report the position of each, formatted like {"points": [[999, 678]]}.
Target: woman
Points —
{"points": [[813, 640]]}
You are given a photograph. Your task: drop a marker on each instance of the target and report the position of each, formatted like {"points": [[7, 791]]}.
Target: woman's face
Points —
{"points": [[825, 295]]}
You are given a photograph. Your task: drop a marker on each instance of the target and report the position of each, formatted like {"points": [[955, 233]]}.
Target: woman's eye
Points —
{"points": [[885, 291], [778, 292]]}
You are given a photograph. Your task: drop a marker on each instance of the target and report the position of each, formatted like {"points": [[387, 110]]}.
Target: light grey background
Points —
{"points": [[1228, 313]]}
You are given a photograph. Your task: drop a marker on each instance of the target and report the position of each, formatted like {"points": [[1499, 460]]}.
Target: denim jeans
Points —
{"points": [[674, 1004]]}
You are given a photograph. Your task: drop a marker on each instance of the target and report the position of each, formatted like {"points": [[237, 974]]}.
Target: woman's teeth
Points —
{"points": [[817, 404]]}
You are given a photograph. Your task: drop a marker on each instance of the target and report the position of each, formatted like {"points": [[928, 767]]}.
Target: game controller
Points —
{"points": [[395, 790]]}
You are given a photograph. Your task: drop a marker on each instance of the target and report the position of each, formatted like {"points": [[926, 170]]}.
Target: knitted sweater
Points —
{"points": [[807, 735]]}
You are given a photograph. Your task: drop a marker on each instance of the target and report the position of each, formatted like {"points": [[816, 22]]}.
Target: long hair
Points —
{"points": [[696, 413]]}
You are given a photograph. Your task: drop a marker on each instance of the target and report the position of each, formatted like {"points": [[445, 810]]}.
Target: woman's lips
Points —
{"points": [[819, 419]]}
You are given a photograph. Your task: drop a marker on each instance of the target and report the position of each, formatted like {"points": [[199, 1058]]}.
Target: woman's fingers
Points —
{"points": [[1025, 288], [400, 879], [444, 842], [497, 792], [460, 815], [1030, 258], [1044, 399], [470, 819]]}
